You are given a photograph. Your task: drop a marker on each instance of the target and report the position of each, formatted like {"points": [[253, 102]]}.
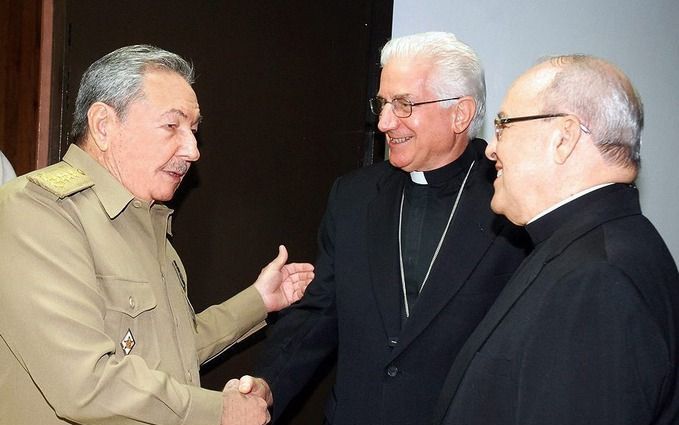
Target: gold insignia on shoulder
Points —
{"points": [[61, 180]]}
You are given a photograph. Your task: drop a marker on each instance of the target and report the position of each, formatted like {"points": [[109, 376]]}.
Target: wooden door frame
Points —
{"points": [[45, 90], [49, 146]]}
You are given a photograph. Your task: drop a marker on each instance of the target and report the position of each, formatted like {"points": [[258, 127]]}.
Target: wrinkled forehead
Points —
{"points": [[403, 76], [169, 89]]}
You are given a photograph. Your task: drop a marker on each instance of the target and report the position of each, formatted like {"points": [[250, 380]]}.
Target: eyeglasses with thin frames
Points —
{"points": [[502, 123], [402, 107]]}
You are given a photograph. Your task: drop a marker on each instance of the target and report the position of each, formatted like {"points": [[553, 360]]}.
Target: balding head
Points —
{"points": [[567, 124], [602, 96]]}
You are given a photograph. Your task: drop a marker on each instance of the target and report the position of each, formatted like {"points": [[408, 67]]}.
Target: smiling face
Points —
{"points": [[152, 147], [525, 183], [425, 140]]}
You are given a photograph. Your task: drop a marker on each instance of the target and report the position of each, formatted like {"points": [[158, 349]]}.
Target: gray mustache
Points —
{"points": [[179, 168]]}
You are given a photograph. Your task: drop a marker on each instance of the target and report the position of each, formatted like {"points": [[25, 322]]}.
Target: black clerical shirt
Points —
{"points": [[426, 210]]}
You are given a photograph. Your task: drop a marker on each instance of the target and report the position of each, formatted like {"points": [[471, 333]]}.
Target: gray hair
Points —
{"points": [[601, 95], [457, 69], [116, 79]]}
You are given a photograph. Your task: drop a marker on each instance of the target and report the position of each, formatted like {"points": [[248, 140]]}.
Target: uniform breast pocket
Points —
{"points": [[131, 318]]}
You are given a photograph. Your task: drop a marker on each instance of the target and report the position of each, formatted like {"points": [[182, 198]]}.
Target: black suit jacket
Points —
{"points": [[389, 374], [584, 333]]}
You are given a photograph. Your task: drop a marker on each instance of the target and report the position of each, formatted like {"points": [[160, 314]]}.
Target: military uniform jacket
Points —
{"points": [[95, 323]]}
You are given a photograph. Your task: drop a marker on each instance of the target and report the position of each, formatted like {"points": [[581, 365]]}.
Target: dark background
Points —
{"points": [[283, 88]]}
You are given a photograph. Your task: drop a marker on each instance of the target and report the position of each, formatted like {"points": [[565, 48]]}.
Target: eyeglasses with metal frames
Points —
{"points": [[402, 107], [502, 123]]}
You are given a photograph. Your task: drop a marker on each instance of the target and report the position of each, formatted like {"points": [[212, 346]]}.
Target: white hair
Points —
{"points": [[457, 70], [601, 95]]}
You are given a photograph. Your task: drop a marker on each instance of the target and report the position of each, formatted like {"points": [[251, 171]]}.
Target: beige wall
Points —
{"points": [[639, 36]]}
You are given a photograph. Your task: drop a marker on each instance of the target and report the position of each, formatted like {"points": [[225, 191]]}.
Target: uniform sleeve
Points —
{"points": [[306, 333], [220, 326], [596, 356], [52, 320]]}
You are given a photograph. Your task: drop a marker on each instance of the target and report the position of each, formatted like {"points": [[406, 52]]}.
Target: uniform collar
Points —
{"points": [[113, 196]]}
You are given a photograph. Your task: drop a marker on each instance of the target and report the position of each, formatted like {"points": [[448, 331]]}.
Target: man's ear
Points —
{"points": [[567, 139], [100, 121], [463, 112]]}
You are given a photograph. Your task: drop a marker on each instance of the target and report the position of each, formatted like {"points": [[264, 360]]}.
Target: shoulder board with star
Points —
{"points": [[61, 179]]}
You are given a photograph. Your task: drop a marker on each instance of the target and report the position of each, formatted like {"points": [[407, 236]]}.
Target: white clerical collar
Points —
{"points": [[567, 200], [418, 177]]}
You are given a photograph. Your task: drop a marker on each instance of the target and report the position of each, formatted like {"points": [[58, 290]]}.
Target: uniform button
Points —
{"points": [[188, 376], [392, 371], [132, 303], [136, 203]]}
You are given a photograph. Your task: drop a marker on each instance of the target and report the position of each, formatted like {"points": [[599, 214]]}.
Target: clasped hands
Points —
{"points": [[246, 402]]}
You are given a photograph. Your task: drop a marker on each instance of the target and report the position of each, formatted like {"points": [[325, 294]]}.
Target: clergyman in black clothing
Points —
{"points": [[586, 330], [410, 254]]}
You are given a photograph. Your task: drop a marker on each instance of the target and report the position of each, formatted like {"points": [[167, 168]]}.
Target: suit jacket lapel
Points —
{"points": [[383, 250], [464, 246]]}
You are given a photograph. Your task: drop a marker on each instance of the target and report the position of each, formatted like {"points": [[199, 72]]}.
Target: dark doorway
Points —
{"points": [[283, 87]]}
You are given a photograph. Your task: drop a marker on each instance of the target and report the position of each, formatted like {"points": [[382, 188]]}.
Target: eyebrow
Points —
{"points": [[406, 96], [175, 111], [401, 95]]}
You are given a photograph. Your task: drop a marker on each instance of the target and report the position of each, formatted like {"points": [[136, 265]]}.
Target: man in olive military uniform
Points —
{"points": [[95, 323]]}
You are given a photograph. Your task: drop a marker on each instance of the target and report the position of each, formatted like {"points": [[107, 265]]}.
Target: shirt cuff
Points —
{"points": [[205, 407]]}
